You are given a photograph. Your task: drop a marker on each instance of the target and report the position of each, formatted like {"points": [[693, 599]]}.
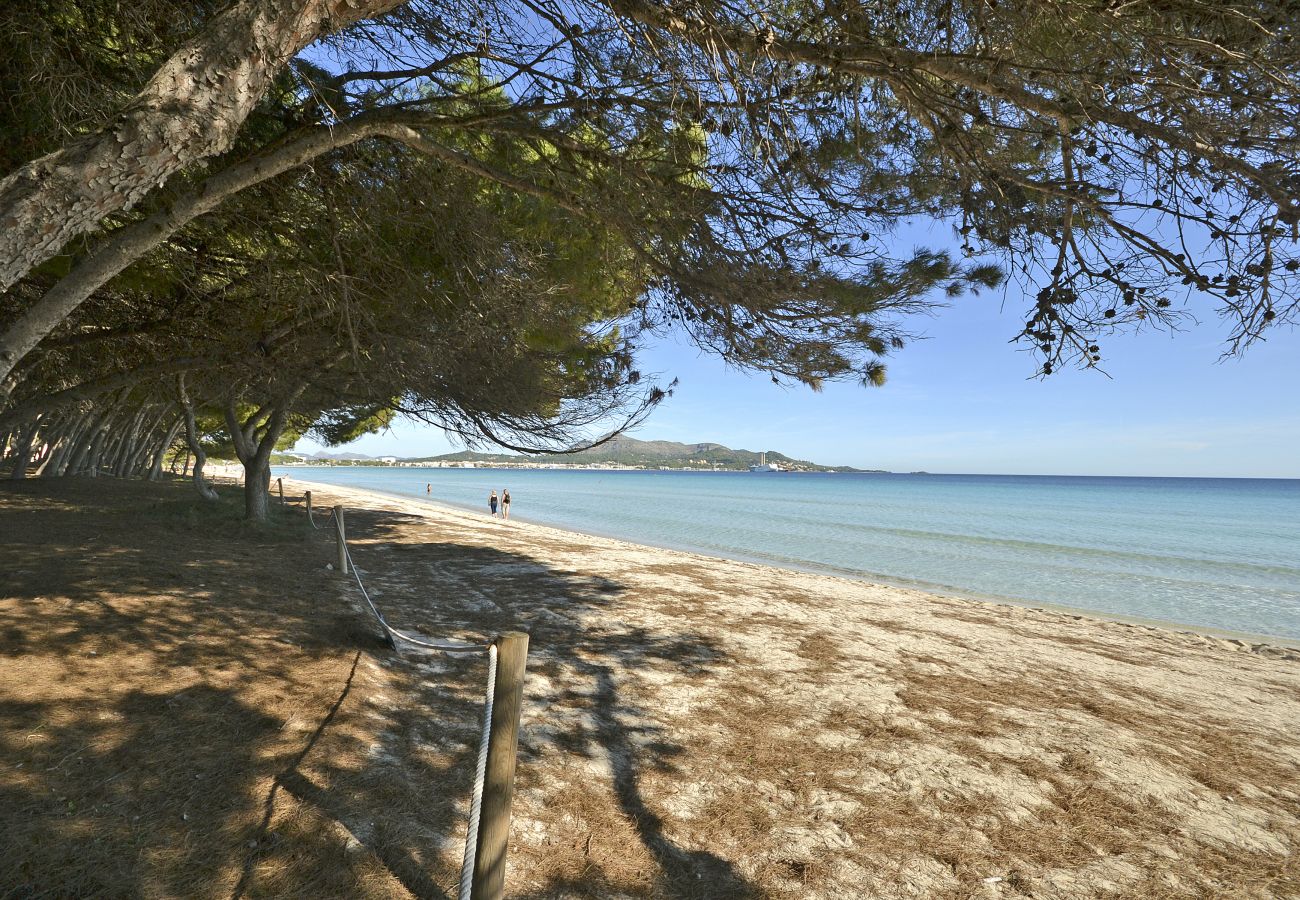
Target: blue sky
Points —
{"points": [[963, 400]]}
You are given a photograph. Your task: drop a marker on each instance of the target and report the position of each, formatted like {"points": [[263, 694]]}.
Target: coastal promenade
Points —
{"points": [[194, 711]]}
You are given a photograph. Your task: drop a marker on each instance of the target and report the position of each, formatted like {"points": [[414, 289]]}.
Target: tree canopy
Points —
{"points": [[473, 213]]}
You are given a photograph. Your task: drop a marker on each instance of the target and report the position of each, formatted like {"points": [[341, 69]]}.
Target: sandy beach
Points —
{"points": [[815, 736], [695, 727]]}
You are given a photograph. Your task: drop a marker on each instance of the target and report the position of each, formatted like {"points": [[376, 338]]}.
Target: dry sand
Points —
{"points": [[695, 727], [705, 727]]}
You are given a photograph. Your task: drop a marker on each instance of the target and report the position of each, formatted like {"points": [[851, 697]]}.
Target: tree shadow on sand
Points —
{"points": [[214, 715]]}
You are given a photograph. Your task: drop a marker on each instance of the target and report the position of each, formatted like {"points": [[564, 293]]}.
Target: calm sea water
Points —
{"points": [[1223, 553]]}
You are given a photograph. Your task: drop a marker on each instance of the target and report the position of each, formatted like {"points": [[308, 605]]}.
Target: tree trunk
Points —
{"points": [[75, 435], [88, 390], [77, 461], [23, 452], [106, 439], [53, 467], [191, 109], [41, 457], [107, 455], [257, 499], [56, 440], [77, 458], [141, 458], [125, 447], [255, 453], [96, 451], [155, 470], [192, 442]]}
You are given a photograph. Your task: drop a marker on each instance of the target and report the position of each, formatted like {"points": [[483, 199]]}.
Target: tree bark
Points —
{"points": [[125, 449], [141, 459], [108, 453], [191, 109], [192, 442], [155, 470], [77, 461], [57, 439], [80, 438], [23, 452], [96, 451], [255, 453], [104, 446], [40, 457], [67, 442]]}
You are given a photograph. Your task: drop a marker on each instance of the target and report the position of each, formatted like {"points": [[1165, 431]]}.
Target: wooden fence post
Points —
{"points": [[280, 483], [499, 782], [307, 497], [342, 534]]}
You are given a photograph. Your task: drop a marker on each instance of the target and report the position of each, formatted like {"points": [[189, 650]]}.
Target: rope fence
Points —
{"points": [[482, 874], [480, 772]]}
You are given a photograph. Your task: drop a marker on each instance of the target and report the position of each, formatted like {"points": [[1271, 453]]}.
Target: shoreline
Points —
{"points": [[1244, 640], [829, 471]]}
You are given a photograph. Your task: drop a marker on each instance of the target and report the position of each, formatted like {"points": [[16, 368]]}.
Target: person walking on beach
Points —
{"points": [[492, 503], [428, 488], [505, 503]]}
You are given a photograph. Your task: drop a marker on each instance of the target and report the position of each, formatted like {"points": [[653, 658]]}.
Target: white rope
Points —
{"points": [[480, 775], [311, 517], [457, 648], [444, 644]]}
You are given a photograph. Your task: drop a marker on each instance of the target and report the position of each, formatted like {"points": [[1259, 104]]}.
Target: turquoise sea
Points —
{"points": [[1221, 553]]}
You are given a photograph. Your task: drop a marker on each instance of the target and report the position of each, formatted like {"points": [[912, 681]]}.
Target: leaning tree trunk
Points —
{"points": [[192, 108], [98, 448], [57, 440], [23, 452], [115, 460], [107, 457], [44, 449], [71, 440], [142, 451], [168, 439], [86, 442], [192, 442], [125, 447]]}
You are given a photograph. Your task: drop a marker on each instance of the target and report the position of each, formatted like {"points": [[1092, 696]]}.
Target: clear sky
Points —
{"points": [[963, 400]]}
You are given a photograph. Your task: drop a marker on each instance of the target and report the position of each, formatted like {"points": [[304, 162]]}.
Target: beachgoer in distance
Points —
{"points": [[505, 503], [428, 488], [492, 503]]}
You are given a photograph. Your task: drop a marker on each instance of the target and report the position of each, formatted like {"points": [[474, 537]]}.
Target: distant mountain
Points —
{"points": [[469, 456], [626, 451]]}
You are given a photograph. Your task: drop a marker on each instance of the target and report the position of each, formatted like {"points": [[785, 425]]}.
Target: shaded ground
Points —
{"points": [[191, 707]]}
